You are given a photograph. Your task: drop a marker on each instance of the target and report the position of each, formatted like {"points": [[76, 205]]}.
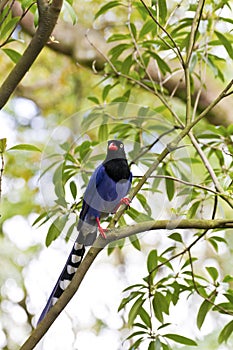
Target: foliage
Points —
{"points": [[185, 163]]}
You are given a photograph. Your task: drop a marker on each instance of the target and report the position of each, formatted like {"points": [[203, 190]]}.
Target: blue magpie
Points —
{"points": [[106, 190]]}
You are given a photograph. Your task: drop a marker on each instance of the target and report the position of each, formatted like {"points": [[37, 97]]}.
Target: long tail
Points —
{"points": [[72, 264]]}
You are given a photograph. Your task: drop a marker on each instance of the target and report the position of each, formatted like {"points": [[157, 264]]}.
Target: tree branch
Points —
{"points": [[48, 15], [194, 29], [99, 245]]}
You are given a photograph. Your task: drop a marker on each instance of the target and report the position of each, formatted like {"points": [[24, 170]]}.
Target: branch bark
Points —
{"points": [[48, 15], [99, 245]]}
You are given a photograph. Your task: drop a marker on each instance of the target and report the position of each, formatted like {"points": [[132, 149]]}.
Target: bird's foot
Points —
{"points": [[125, 201], [101, 229]]}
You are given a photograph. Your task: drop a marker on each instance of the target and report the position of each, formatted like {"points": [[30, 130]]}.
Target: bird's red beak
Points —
{"points": [[113, 147]]}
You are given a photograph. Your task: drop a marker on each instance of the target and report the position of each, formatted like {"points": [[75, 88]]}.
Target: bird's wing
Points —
{"points": [[96, 178]]}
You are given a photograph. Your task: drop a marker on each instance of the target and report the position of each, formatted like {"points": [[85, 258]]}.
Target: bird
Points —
{"points": [[106, 191]]}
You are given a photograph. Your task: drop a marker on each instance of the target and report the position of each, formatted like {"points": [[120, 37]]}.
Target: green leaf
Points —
{"points": [[126, 64], [116, 51], [203, 310], [147, 27], [93, 99], [214, 240], [135, 334], [176, 236], [170, 188], [228, 278], [162, 10], [180, 339], [226, 43], [188, 262], [106, 90], [133, 29], [155, 345], [58, 183], [163, 66], [2, 145], [73, 189], [135, 345], [106, 7], [142, 199], [126, 300], [160, 306], [192, 211], [229, 296], [166, 346], [134, 311], [145, 317], [226, 306], [116, 37], [83, 149], [213, 272], [71, 12], [103, 132], [226, 332], [138, 216], [40, 217], [135, 242], [12, 54], [193, 62], [24, 147], [55, 229], [157, 307], [26, 3], [7, 28], [137, 285], [213, 63], [152, 260], [70, 231]]}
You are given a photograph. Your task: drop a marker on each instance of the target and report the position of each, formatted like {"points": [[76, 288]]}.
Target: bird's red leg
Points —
{"points": [[125, 201], [101, 229]]}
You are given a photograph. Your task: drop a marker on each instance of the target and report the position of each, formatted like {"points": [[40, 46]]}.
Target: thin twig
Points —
{"points": [[137, 48], [185, 183], [147, 148], [175, 48], [194, 29]]}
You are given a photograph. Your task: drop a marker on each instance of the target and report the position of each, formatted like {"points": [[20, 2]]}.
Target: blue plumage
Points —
{"points": [[107, 187]]}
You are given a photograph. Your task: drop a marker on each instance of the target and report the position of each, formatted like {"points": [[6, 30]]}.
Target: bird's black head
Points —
{"points": [[115, 150], [115, 163]]}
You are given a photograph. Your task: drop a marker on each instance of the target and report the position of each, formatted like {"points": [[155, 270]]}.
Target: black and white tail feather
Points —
{"points": [[86, 237], [71, 266]]}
